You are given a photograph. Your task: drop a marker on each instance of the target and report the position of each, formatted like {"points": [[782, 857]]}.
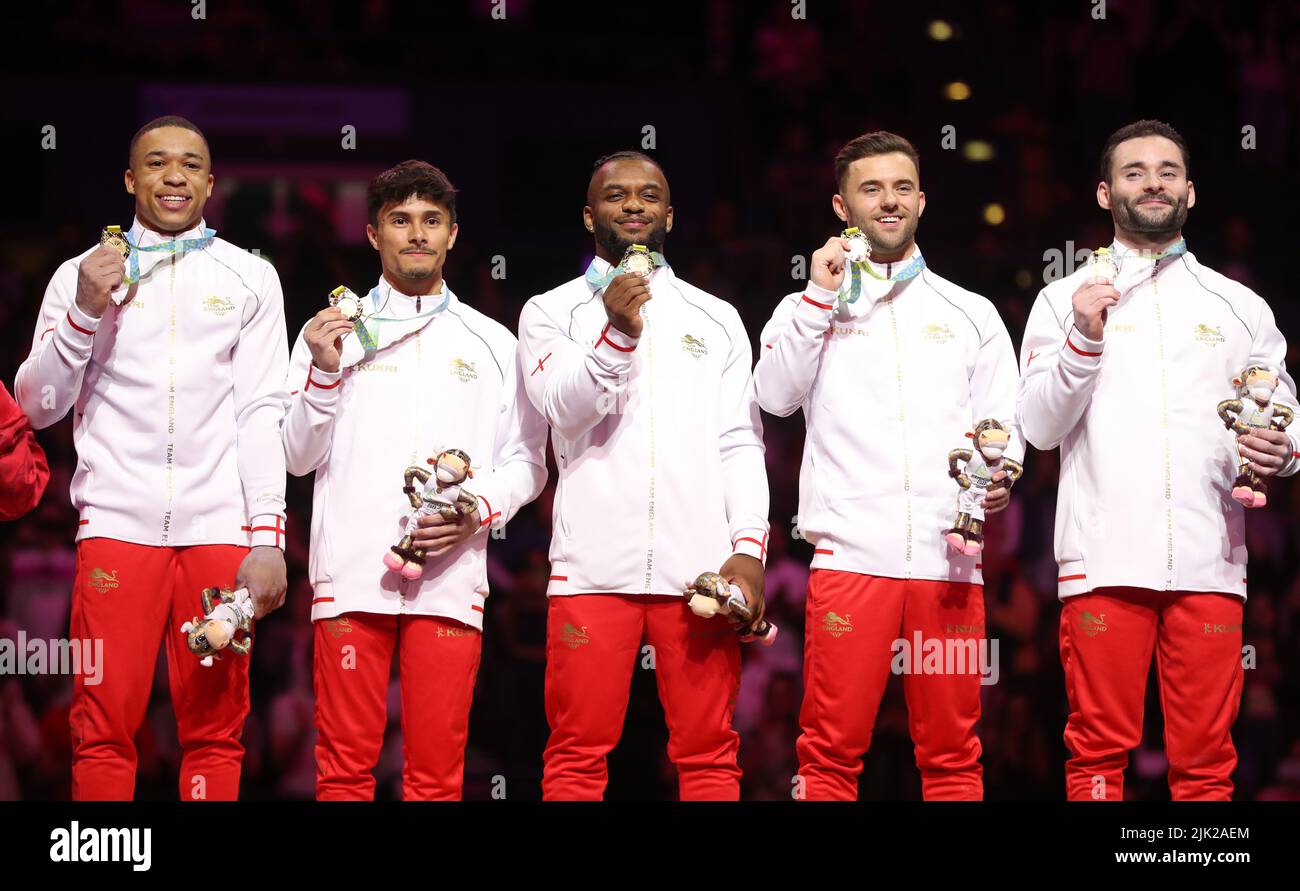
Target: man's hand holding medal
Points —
{"points": [[324, 333], [831, 261], [102, 272], [627, 292]]}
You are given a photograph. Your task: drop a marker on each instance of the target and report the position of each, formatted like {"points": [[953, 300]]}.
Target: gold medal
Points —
{"points": [[1102, 266], [113, 237], [859, 248], [345, 301], [638, 261]]}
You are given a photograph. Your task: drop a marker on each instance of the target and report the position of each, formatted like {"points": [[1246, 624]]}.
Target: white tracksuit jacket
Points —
{"points": [[888, 386], [452, 384], [1146, 464], [658, 438], [177, 397]]}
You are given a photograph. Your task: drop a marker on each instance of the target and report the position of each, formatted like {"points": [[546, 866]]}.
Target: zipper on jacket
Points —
{"points": [[1164, 426], [649, 377], [902, 426], [403, 606], [169, 455]]}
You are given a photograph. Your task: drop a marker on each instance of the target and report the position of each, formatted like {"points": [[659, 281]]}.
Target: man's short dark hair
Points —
{"points": [[868, 145], [167, 120], [418, 178], [1139, 129], [627, 155]]}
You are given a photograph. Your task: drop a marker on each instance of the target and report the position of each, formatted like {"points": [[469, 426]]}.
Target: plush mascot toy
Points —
{"points": [[711, 595], [225, 614], [1253, 409], [442, 494], [991, 440]]}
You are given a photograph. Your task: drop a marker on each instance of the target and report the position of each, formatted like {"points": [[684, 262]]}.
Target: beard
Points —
{"points": [[414, 272], [615, 244], [1150, 221], [887, 242]]}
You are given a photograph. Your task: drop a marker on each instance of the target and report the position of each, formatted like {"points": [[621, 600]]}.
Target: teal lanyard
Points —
{"points": [[851, 290], [597, 280], [179, 248], [1122, 253], [368, 335]]}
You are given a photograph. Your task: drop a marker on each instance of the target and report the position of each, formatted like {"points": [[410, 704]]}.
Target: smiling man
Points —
{"points": [[431, 373], [893, 366], [1150, 544], [172, 361], [645, 382]]}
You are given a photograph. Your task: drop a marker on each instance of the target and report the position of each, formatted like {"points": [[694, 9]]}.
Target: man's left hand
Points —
{"points": [[998, 495], [1267, 450], [264, 575], [747, 572], [436, 535]]}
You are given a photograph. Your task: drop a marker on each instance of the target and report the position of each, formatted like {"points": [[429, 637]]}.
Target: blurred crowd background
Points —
{"points": [[747, 105]]}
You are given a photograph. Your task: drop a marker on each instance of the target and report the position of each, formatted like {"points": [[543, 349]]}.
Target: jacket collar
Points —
{"points": [[874, 289], [391, 303], [146, 237], [662, 274]]}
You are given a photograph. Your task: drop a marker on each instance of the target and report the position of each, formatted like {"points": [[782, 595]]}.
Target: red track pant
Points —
{"points": [[593, 644], [1106, 641], [852, 623], [438, 662], [140, 596]]}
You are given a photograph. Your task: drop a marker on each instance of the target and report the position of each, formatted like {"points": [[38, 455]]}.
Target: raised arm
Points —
{"points": [[572, 385], [49, 380], [1059, 369], [790, 350]]}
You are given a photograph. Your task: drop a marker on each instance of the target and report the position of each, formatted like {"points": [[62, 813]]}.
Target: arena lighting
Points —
{"points": [[994, 214], [957, 91], [977, 150], [940, 30], [1024, 278]]}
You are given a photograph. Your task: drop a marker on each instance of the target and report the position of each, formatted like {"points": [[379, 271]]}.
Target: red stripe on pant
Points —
{"points": [[592, 647], [847, 659], [140, 598], [1107, 638], [438, 661]]}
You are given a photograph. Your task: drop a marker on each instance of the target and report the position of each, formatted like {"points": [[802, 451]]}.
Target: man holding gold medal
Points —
{"points": [[645, 381], [1124, 363], [382, 384], [168, 346], [893, 367]]}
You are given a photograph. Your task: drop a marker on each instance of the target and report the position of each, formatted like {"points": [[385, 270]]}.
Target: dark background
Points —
{"points": [[749, 105]]}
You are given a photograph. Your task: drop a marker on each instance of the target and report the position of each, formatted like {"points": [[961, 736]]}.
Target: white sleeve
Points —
{"points": [[573, 385], [519, 459], [1269, 348], [744, 473], [259, 362], [312, 406], [1058, 374], [790, 350], [994, 381], [49, 380]]}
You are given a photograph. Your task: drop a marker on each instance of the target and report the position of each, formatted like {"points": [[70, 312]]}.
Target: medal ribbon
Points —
{"points": [[179, 248], [368, 337], [851, 290], [597, 280], [1122, 253]]}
